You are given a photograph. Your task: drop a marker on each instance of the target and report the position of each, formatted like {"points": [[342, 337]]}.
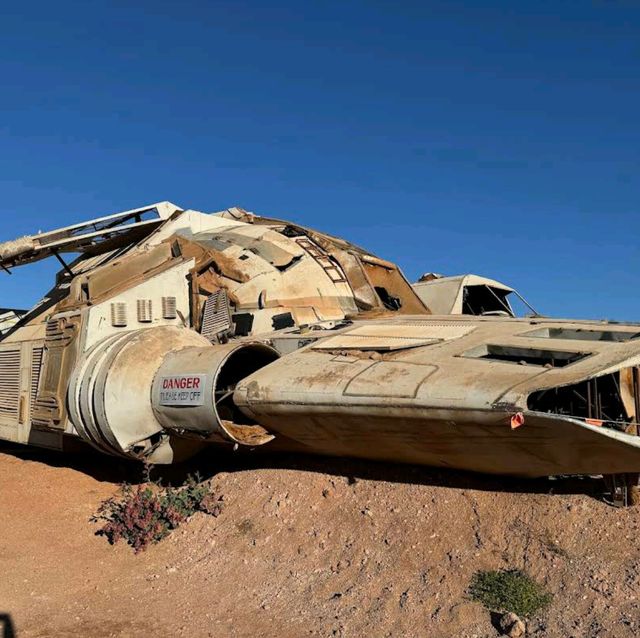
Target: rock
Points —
{"points": [[511, 625]]}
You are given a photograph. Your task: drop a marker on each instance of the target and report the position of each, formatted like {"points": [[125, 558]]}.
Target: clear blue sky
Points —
{"points": [[497, 138]]}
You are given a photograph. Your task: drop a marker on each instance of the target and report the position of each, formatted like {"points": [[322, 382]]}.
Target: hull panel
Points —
{"points": [[481, 442]]}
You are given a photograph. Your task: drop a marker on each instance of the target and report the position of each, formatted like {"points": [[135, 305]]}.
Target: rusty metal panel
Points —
{"points": [[49, 410]]}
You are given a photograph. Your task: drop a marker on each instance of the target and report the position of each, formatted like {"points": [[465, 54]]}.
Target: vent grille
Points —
{"points": [[216, 317], [36, 369], [56, 333], [169, 308], [59, 332], [118, 314], [9, 382], [54, 330], [48, 415], [145, 311]]}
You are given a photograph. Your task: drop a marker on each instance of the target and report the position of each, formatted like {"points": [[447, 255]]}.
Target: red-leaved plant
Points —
{"points": [[146, 514]]}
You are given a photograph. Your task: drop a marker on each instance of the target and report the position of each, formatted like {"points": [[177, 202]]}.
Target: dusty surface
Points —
{"points": [[309, 547]]}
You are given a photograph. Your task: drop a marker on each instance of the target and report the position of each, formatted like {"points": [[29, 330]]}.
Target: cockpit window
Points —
{"points": [[486, 300]]}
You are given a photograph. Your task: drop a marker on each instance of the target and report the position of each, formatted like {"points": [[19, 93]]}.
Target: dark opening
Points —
{"points": [[526, 356], [597, 398], [243, 322], [293, 231], [582, 334], [483, 299], [283, 320], [388, 301], [238, 366]]}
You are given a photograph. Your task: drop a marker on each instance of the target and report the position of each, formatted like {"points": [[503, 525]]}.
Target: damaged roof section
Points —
{"points": [[274, 274], [92, 237], [277, 274]]}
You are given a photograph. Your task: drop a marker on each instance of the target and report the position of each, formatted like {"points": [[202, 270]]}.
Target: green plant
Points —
{"points": [[509, 590], [146, 514]]}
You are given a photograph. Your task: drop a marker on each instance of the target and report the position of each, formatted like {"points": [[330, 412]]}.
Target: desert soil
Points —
{"points": [[311, 547]]}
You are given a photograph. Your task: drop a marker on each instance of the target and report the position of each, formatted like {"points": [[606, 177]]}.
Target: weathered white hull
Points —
{"points": [[481, 442], [174, 329]]}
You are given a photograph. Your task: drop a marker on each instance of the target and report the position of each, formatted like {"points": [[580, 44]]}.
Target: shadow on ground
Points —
{"points": [[211, 462], [7, 629]]}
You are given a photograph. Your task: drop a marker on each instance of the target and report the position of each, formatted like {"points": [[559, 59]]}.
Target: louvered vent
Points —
{"points": [[9, 382], [145, 311], [36, 368], [169, 309], [118, 314], [54, 330], [216, 318], [58, 333]]}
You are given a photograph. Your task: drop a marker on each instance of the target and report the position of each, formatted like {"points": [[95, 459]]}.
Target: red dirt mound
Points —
{"points": [[311, 547]]}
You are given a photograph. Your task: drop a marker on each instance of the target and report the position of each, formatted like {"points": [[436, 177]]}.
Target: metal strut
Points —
{"points": [[56, 254]]}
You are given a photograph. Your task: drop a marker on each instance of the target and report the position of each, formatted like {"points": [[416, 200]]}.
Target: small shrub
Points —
{"points": [[146, 514], [509, 591]]}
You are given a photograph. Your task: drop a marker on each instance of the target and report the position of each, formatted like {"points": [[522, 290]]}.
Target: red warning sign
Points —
{"points": [[183, 389]]}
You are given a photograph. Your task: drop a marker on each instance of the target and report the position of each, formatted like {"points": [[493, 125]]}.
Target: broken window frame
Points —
{"points": [[596, 400]]}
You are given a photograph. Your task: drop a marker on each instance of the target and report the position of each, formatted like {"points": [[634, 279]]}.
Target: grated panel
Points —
{"points": [[9, 382], [216, 317]]}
